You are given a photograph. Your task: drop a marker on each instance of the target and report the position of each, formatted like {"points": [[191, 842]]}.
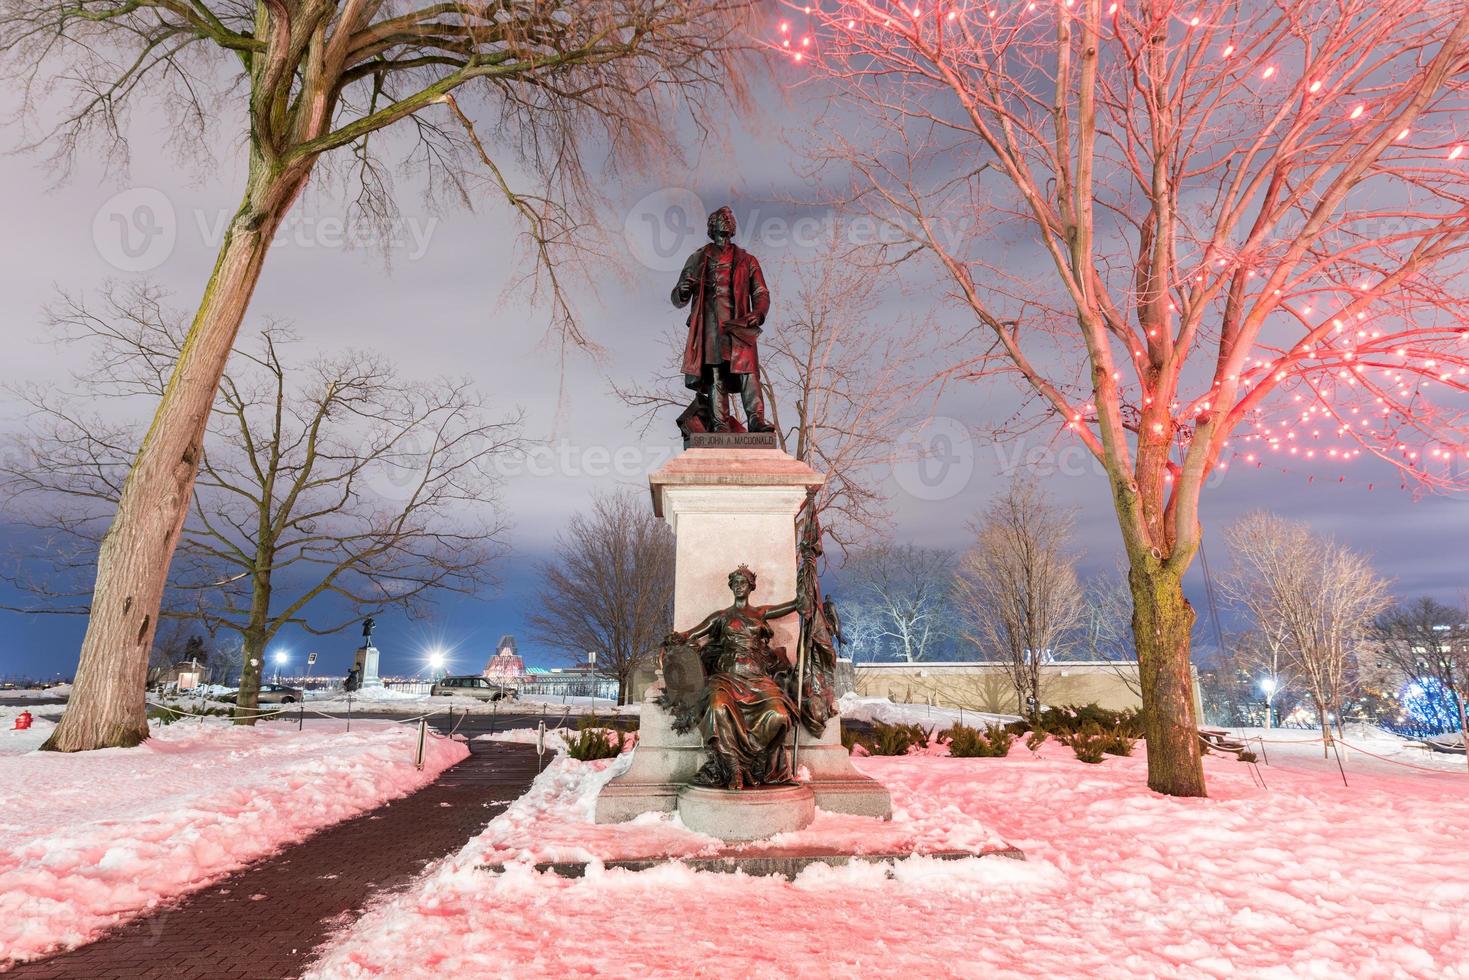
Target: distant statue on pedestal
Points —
{"points": [[367, 627]]}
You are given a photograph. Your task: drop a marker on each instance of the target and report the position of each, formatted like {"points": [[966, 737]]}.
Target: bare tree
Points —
{"points": [[901, 595], [1249, 223], [317, 79], [1428, 642], [1319, 595], [336, 479], [609, 587], [1016, 592], [842, 388]]}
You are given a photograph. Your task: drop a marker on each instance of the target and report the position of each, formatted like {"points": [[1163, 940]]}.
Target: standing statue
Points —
{"points": [[746, 716], [730, 302], [834, 621], [367, 625]]}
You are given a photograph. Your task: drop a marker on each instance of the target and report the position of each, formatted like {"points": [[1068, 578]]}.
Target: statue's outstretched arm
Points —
{"points": [[782, 609], [698, 632]]}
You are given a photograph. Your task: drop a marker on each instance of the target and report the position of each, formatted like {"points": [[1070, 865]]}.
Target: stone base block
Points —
{"points": [[662, 764], [838, 786], [752, 814]]}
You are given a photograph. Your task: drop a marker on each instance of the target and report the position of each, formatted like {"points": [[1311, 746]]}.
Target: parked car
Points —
{"points": [[269, 694], [472, 686]]}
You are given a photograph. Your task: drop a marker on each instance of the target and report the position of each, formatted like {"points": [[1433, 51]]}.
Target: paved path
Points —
{"points": [[262, 923]]}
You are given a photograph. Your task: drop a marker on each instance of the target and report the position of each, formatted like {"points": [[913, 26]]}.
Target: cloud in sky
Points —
{"points": [[438, 304]]}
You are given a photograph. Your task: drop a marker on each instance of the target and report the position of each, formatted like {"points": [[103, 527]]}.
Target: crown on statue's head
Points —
{"points": [[745, 572]]}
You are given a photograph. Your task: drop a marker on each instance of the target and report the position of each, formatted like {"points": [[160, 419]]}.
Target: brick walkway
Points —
{"points": [[263, 922]]}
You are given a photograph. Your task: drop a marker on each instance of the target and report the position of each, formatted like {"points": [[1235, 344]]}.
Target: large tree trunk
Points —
{"points": [[1162, 625], [107, 706]]}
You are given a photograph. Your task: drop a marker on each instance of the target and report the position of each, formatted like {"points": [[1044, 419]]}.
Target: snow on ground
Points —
{"points": [[87, 840], [43, 721], [1362, 748], [1304, 879], [388, 699], [30, 693], [858, 708], [553, 822]]}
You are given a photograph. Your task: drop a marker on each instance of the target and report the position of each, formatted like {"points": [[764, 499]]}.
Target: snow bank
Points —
{"points": [[1305, 879], [89, 839], [859, 708], [30, 693], [380, 698], [13, 742]]}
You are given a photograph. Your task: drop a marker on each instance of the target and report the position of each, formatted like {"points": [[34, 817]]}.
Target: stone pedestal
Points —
{"points": [[752, 814], [729, 507], [662, 764], [366, 664]]}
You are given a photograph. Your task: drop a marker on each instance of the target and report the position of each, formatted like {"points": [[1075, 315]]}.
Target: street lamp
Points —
{"points": [[1268, 686], [281, 657], [435, 663]]}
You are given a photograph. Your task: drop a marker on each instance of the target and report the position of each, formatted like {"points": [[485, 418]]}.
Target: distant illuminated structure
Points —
{"points": [[506, 666]]}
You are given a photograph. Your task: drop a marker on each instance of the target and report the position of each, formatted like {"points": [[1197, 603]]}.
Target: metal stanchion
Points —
{"points": [[422, 737]]}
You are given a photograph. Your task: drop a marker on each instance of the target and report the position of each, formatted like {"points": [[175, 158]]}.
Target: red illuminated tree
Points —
{"points": [[1245, 220]]}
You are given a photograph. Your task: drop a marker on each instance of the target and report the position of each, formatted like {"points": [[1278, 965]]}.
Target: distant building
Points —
{"points": [[184, 676], [506, 666]]}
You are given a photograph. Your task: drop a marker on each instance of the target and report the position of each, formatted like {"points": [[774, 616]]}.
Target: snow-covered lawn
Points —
{"points": [[390, 699], [1304, 879], [90, 839]]}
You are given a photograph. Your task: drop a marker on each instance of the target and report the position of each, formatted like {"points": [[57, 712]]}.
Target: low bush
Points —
{"points": [[592, 741], [1118, 742], [967, 743], [1068, 719], [888, 739], [1089, 743], [1036, 739]]}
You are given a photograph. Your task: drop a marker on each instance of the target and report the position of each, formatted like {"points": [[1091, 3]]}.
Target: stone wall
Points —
{"points": [[987, 687]]}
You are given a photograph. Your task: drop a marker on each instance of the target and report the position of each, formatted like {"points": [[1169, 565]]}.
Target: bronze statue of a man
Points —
{"points": [[730, 303]]}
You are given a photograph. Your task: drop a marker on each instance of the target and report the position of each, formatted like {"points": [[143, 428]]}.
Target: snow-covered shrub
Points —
{"points": [[1089, 744], [592, 741], [1118, 741], [1067, 719], [1036, 739], [965, 742], [888, 739]]}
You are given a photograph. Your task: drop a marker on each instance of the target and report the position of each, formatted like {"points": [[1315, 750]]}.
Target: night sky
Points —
{"points": [[438, 304]]}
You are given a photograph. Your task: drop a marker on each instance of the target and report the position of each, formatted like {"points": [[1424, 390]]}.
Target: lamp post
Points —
{"points": [[280, 659], [1268, 686], [435, 664]]}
